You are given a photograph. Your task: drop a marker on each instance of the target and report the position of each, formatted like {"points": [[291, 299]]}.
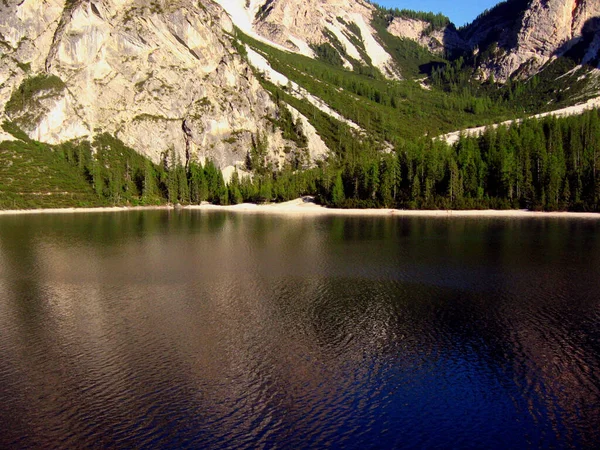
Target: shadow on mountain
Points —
{"points": [[454, 47], [579, 49], [428, 68], [500, 24]]}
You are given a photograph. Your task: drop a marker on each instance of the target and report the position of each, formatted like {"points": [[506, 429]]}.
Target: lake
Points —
{"points": [[193, 329]]}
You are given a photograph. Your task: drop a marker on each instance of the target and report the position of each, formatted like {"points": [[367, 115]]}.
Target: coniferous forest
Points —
{"points": [[546, 164]]}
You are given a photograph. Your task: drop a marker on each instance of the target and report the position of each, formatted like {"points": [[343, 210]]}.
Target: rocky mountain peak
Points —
{"points": [[304, 26]]}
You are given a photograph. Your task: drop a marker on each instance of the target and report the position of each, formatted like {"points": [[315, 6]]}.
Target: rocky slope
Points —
{"points": [[517, 37], [161, 75], [300, 25], [529, 33], [438, 41]]}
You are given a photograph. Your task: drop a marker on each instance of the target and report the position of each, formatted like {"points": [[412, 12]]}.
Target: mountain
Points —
{"points": [[530, 33], [161, 75], [514, 38], [313, 27], [264, 87]]}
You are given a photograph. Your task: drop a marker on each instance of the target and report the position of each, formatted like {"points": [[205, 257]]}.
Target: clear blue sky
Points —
{"points": [[459, 11]]}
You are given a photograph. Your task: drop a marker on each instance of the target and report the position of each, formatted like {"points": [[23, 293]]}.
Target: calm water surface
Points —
{"points": [[214, 330]]}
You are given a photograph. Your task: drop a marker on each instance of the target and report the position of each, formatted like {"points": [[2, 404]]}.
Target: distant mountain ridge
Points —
{"points": [[520, 36]]}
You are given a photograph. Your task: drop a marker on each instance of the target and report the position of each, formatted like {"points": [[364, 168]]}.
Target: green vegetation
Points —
{"points": [[505, 168], [33, 175], [556, 86], [412, 58], [436, 21], [103, 172], [549, 164], [327, 53], [26, 99], [25, 67], [333, 52], [385, 109], [292, 129], [546, 164]]}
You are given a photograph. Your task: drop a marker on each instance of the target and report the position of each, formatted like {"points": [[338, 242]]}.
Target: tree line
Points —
{"points": [[538, 164]]}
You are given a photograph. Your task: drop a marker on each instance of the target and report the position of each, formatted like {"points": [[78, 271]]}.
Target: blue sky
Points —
{"points": [[459, 11]]}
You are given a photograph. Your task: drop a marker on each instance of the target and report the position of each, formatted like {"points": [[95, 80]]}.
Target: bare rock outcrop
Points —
{"points": [[437, 41], [529, 33], [158, 75], [299, 25]]}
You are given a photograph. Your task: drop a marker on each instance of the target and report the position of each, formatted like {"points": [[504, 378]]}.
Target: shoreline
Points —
{"points": [[302, 207], [75, 210]]}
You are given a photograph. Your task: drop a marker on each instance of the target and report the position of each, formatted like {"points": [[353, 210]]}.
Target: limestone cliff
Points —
{"points": [[516, 37], [438, 41], [526, 34], [300, 25], [158, 75]]}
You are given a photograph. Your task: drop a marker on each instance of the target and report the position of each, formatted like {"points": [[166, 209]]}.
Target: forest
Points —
{"points": [[546, 164], [550, 164]]}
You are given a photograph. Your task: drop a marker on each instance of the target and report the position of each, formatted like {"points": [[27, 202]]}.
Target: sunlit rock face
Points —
{"points": [[438, 41], [519, 37], [529, 33], [299, 25], [158, 75]]}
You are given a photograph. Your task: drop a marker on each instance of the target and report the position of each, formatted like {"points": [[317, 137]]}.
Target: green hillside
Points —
{"points": [[34, 175], [387, 110]]}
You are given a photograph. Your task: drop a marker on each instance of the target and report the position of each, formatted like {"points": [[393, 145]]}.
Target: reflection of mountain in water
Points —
{"points": [[185, 328]]}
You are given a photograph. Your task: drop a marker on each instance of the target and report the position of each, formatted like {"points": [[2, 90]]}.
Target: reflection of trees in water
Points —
{"points": [[20, 272], [291, 320]]}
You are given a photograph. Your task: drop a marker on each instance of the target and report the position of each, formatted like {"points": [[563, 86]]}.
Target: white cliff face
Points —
{"points": [[436, 41], [548, 28], [296, 25], [157, 75]]}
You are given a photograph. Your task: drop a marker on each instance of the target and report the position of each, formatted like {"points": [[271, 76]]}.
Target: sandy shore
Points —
{"points": [[305, 207]]}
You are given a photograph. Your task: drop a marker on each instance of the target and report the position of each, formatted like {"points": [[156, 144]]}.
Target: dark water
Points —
{"points": [[208, 330]]}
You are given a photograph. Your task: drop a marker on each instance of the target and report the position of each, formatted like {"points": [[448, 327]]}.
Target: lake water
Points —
{"points": [[183, 329]]}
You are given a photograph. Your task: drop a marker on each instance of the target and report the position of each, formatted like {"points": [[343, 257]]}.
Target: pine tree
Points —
{"points": [[197, 183], [149, 188], [183, 191], [337, 192], [98, 178], [235, 194], [265, 192]]}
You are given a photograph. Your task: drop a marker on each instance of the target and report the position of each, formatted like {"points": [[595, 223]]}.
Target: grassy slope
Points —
{"points": [[33, 175], [37, 175]]}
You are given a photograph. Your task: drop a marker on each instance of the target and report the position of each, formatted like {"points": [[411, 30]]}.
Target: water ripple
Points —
{"points": [[222, 332]]}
